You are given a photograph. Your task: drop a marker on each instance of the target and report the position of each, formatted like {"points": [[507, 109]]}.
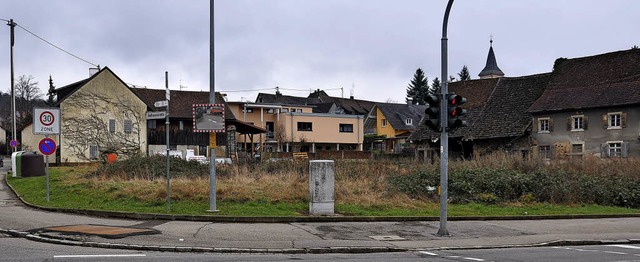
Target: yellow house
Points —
{"points": [[100, 115], [297, 128], [394, 123]]}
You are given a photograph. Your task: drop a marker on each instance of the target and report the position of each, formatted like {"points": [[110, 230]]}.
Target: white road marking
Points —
{"points": [[473, 258], [625, 246], [617, 253], [96, 256], [428, 253]]}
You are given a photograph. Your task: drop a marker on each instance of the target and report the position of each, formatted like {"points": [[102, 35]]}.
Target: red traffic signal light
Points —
{"points": [[454, 111]]}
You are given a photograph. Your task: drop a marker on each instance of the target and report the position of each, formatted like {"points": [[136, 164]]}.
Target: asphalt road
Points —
{"points": [[18, 249]]}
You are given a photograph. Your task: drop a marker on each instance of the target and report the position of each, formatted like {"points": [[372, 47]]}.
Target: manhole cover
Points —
{"points": [[387, 238], [103, 231]]}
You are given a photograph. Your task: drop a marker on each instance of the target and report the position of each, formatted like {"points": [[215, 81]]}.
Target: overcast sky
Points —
{"points": [[371, 48]]}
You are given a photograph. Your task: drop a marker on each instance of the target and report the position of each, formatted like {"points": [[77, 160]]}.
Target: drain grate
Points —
{"points": [[103, 231]]}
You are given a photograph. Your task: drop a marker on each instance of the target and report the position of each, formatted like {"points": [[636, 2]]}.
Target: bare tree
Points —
{"points": [[27, 91], [91, 128], [280, 135]]}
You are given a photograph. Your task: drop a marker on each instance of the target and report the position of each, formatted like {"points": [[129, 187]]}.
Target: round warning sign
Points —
{"points": [[47, 118]]}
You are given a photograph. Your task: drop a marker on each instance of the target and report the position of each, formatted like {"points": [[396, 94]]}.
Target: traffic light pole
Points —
{"points": [[444, 137]]}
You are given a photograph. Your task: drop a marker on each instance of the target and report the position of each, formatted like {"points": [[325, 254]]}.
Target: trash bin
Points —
{"points": [[15, 163], [32, 164]]}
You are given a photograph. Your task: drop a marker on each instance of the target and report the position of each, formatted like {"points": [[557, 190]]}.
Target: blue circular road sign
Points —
{"points": [[13, 143], [47, 146]]}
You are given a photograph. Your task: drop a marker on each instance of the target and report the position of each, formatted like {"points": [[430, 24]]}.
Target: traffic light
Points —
{"points": [[454, 111], [433, 112]]}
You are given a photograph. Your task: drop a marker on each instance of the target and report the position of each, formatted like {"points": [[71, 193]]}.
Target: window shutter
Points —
{"points": [[623, 119], [112, 125], [604, 150], [625, 149], [569, 120], [605, 121], [585, 122], [550, 124]]}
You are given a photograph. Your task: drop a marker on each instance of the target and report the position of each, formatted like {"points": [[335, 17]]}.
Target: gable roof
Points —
{"points": [[605, 80], [505, 114], [64, 92], [477, 93], [350, 105], [397, 114], [181, 102]]}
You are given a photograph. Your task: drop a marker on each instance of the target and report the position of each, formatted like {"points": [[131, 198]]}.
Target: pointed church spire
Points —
{"points": [[491, 70]]}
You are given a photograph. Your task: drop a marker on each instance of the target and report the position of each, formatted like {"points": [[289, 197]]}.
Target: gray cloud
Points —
{"points": [[374, 45]]}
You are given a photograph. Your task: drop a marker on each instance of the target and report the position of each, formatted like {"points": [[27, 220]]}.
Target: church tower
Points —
{"points": [[491, 70]]}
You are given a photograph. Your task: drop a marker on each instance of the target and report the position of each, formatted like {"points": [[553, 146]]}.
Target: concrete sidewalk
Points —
{"points": [[19, 220]]}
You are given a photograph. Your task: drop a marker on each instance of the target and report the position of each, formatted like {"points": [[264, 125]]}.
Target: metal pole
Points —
{"points": [[166, 122], [212, 100], [46, 161], [444, 137], [12, 25]]}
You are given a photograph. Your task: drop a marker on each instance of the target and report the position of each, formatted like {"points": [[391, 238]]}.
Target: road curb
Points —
{"points": [[319, 250]]}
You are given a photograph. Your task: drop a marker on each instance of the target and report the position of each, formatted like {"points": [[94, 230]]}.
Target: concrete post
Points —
{"points": [[321, 187]]}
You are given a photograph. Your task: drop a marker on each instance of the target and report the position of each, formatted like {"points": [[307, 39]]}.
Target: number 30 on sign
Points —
{"points": [[47, 121]]}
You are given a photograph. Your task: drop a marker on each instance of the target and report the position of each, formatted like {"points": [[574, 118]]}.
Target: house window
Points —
{"points": [[578, 123], [299, 110], [615, 120], [112, 125], [544, 125], [408, 121], [384, 123], [270, 111], [128, 125], [284, 110], [576, 151], [545, 152], [93, 152], [293, 110], [181, 125], [615, 149], [304, 126], [346, 128], [151, 124]]}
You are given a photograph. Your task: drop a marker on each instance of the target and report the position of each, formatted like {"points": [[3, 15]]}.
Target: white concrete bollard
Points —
{"points": [[321, 187]]}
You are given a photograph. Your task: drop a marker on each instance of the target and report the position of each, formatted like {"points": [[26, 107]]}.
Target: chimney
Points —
{"points": [[351, 97], [409, 101], [93, 70]]}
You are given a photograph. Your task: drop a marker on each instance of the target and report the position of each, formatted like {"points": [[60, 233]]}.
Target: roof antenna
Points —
{"points": [[491, 39]]}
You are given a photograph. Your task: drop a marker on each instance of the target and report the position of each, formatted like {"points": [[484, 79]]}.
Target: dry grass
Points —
{"points": [[363, 183]]}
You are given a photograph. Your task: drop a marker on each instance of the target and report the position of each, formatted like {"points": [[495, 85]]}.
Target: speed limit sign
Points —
{"points": [[46, 121]]}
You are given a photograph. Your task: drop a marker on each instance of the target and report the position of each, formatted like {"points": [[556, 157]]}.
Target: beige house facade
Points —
{"points": [[295, 128], [100, 115]]}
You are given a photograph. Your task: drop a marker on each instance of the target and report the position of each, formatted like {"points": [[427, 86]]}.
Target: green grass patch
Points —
{"points": [[70, 189]]}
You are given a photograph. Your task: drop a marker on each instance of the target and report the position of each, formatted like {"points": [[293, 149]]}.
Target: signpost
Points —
{"points": [[161, 103], [14, 143], [210, 118], [156, 115], [46, 122]]}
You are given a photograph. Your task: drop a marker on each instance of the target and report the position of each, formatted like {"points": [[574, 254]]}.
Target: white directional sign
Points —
{"points": [[46, 121], [156, 115], [161, 103]]}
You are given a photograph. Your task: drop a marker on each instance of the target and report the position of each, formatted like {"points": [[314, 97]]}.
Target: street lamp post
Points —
{"points": [[444, 137]]}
